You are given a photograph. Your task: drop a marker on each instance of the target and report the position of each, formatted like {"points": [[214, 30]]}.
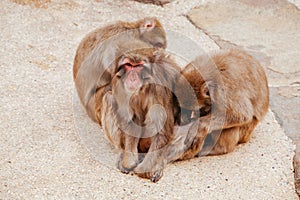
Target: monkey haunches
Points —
{"points": [[131, 87]]}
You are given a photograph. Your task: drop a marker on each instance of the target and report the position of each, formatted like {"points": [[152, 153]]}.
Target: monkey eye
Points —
{"points": [[127, 66]]}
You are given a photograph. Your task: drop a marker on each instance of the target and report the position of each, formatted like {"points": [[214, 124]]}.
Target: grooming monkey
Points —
{"points": [[96, 53], [138, 114], [232, 97], [232, 92]]}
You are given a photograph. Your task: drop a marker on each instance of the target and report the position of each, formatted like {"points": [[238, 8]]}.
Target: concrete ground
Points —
{"points": [[51, 150]]}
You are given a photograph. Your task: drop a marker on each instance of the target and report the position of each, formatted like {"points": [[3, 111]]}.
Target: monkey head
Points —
{"points": [[132, 73], [193, 94], [134, 70], [152, 32]]}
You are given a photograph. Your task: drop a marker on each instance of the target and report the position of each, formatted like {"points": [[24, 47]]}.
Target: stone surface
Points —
{"points": [[35, 3], [296, 164], [51, 150], [285, 102], [270, 27]]}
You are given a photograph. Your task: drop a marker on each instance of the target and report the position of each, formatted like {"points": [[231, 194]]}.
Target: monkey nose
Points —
{"points": [[135, 82], [134, 78]]}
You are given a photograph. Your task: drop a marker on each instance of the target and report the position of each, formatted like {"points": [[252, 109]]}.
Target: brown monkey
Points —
{"points": [[232, 92], [232, 97], [138, 113], [96, 52]]}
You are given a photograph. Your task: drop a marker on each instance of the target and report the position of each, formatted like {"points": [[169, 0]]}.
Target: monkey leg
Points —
{"points": [[110, 126], [149, 167], [226, 142], [246, 130], [196, 145], [131, 157], [159, 127], [185, 144], [209, 142], [96, 103], [115, 136]]}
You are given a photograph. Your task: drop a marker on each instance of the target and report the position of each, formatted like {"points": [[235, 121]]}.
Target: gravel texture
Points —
{"points": [[51, 150]]}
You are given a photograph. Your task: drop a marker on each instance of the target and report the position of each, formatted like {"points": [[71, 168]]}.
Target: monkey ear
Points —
{"points": [[120, 71], [147, 25]]}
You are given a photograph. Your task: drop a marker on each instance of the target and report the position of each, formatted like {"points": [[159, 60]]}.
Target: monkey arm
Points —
{"points": [[160, 122], [155, 120], [223, 120]]}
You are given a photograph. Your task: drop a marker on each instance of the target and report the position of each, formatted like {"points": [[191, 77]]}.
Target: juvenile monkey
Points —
{"points": [[138, 114], [232, 92], [96, 52]]}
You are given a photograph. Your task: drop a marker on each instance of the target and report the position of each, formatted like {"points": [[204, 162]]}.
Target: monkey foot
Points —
{"points": [[141, 157], [154, 176], [123, 169]]}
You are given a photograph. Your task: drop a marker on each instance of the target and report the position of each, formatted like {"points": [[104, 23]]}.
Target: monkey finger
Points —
{"points": [[122, 169], [192, 132], [156, 176], [120, 166]]}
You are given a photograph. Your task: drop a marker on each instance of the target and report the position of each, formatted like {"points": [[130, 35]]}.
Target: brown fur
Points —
{"points": [[231, 90], [96, 53], [238, 95], [136, 123]]}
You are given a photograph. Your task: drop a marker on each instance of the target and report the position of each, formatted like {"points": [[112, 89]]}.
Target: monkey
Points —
{"points": [[233, 96], [228, 97], [138, 112], [94, 56]]}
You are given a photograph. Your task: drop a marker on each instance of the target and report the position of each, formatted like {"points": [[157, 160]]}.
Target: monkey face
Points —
{"points": [[193, 94], [133, 74]]}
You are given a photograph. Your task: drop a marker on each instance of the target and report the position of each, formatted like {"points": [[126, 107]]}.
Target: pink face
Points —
{"points": [[133, 73]]}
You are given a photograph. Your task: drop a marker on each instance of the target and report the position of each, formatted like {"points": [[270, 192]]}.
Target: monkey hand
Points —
{"points": [[192, 132], [127, 161], [194, 141], [154, 174]]}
